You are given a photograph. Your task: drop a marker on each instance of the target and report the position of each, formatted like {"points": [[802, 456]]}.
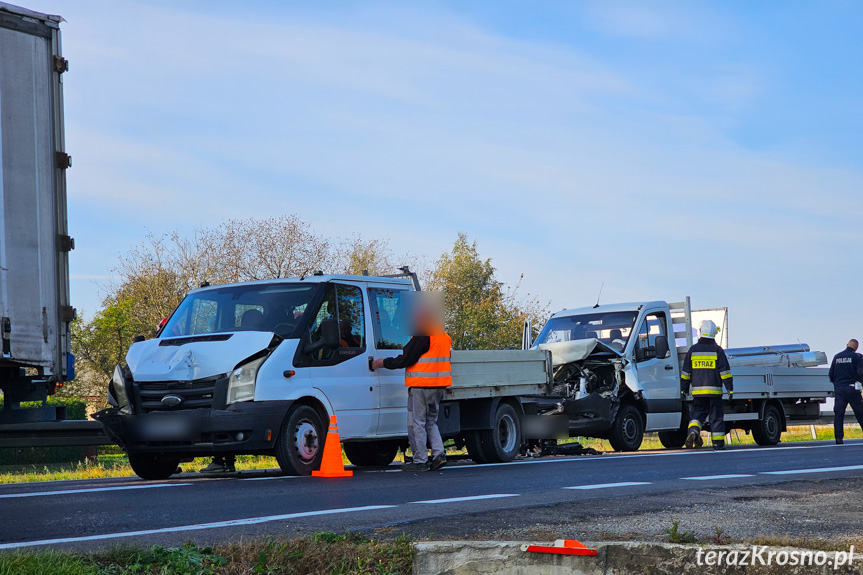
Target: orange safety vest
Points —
{"points": [[433, 367]]}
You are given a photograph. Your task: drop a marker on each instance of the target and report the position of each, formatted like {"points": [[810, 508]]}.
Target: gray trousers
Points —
{"points": [[423, 405]]}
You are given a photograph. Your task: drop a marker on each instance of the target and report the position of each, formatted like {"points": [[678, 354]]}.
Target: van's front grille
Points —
{"points": [[192, 394]]}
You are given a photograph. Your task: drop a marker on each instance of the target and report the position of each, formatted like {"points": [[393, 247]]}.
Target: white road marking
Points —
{"points": [[91, 490], [215, 525], [604, 485], [472, 498], [813, 470], [272, 477], [709, 477], [606, 455]]}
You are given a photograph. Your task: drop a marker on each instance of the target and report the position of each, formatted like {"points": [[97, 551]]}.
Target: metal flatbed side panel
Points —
{"points": [[493, 373], [781, 382]]}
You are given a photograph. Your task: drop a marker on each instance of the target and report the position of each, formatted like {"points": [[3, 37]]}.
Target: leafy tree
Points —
{"points": [[101, 343], [481, 312]]}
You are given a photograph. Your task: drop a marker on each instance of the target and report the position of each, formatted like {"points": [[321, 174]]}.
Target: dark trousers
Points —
{"points": [[706, 408], [846, 395]]}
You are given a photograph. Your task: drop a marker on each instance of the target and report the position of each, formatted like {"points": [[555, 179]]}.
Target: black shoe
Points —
{"points": [[839, 442], [690, 438], [438, 462], [719, 446], [415, 467]]}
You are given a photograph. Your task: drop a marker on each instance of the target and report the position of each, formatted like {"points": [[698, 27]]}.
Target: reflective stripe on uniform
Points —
{"points": [[429, 374], [706, 391], [685, 376], [432, 359], [725, 374], [717, 436], [694, 423]]}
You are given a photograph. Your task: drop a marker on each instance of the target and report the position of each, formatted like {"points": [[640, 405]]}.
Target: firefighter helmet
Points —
{"points": [[708, 329]]}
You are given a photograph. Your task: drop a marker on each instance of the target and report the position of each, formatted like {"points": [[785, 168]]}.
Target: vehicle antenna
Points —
{"points": [[599, 296]]}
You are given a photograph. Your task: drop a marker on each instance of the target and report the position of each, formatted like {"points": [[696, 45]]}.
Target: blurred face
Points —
{"points": [[425, 310]]}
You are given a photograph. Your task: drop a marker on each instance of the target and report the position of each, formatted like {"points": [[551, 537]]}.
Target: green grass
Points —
{"points": [[324, 553]]}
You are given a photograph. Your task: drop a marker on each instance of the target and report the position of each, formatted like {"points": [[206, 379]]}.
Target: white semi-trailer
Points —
{"points": [[34, 241]]}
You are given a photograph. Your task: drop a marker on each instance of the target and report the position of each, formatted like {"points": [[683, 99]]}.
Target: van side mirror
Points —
{"points": [[330, 335], [661, 345]]}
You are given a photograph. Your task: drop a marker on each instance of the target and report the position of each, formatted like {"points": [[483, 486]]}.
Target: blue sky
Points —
{"points": [[664, 148]]}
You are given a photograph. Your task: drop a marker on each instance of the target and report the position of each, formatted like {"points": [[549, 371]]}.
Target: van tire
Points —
{"points": [[153, 466], [673, 439], [473, 442], [502, 443], [768, 429], [300, 444], [371, 453], [627, 431]]}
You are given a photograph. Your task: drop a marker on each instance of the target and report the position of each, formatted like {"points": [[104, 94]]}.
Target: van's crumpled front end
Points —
{"points": [[589, 376], [193, 395]]}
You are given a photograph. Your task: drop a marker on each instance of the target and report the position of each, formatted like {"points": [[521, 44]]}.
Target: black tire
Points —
{"points": [[673, 439], [473, 442], [371, 453], [502, 443], [627, 431], [300, 444], [153, 466], [768, 429]]}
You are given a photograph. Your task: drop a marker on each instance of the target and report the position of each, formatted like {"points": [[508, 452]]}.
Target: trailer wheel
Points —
{"points": [[627, 431], [153, 466], [673, 439], [502, 443], [300, 444], [371, 453], [768, 429]]}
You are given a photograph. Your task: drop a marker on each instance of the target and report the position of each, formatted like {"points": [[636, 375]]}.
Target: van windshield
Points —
{"points": [[611, 328], [275, 307]]}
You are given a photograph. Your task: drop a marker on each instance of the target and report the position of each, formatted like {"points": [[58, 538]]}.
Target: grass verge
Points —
{"points": [[323, 553], [112, 462]]}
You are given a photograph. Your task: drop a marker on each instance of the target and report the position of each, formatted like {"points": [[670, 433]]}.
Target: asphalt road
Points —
{"points": [[96, 514]]}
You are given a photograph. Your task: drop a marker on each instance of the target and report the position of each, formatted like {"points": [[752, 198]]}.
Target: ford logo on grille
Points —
{"points": [[172, 400]]}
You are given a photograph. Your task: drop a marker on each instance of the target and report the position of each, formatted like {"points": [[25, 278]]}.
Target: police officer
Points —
{"points": [[706, 369], [845, 371]]}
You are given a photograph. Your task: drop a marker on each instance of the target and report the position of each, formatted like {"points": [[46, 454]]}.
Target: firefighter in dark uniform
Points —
{"points": [[706, 369], [845, 371]]}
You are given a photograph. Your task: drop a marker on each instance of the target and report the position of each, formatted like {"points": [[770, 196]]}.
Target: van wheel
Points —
{"points": [[300, 444], [502, 442], [627, 431], [673, 439], [768, 430], [371, 453], [473, 442], [153, 466]]}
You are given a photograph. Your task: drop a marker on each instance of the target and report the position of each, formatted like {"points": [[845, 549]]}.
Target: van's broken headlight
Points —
{"points": [[118, 396], [241, 384]]}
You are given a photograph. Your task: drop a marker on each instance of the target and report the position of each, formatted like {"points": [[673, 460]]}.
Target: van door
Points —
{"points": [[391, 335], [343, 374], [658, 375]]}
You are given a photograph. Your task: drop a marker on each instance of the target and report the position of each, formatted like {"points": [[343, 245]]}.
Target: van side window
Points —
{"points": [[654, 325], [390, 325], [352, 324]]}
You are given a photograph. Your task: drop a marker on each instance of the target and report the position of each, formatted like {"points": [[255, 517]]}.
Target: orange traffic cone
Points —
{"points": [[332, 464]]}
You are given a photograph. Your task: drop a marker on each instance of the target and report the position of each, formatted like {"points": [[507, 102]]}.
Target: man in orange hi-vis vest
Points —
{"points": [[426, 361]]}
